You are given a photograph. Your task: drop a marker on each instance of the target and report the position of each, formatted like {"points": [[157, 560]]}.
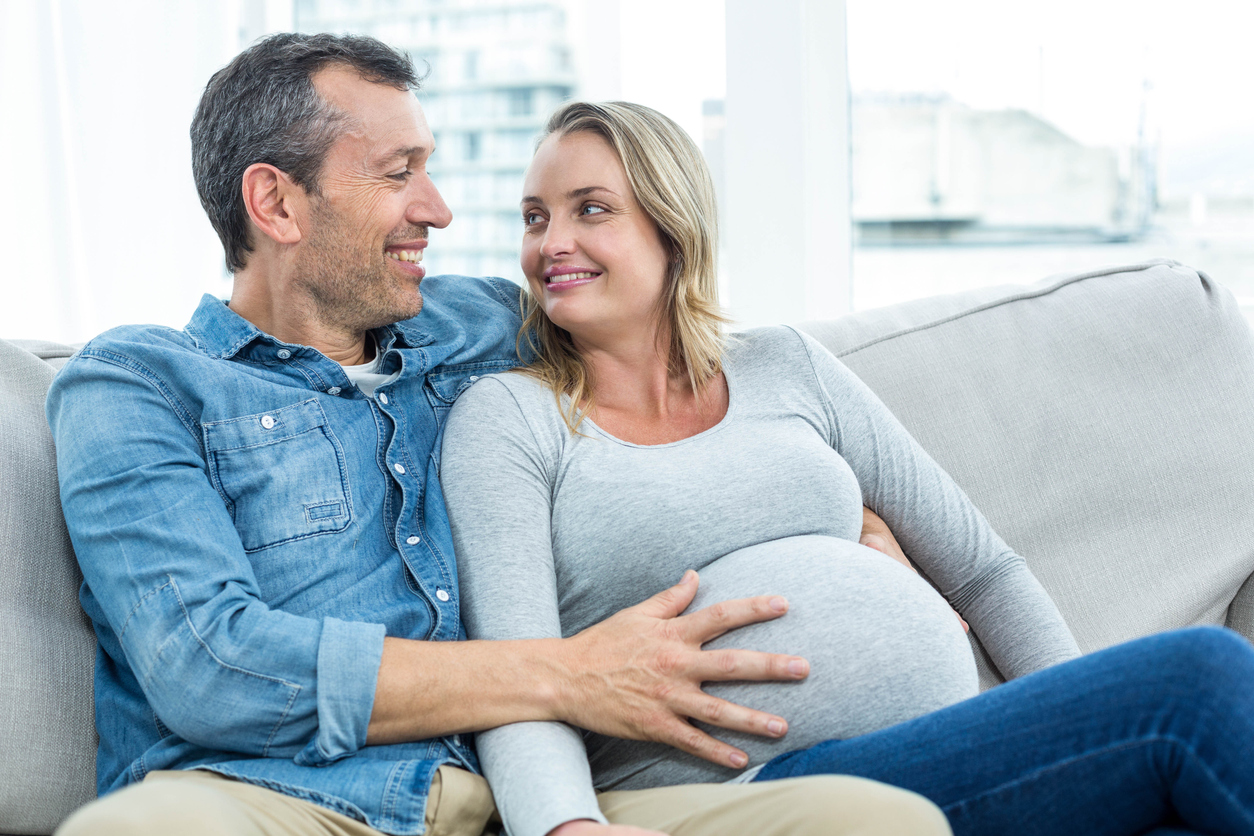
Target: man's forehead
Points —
{"points": [[379, 112]]}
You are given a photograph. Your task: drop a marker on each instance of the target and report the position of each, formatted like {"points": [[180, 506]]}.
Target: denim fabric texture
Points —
{"points": [[250, 526], [1154, 733]]}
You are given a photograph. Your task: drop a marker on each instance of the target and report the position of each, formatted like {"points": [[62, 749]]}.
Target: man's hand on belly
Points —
{"points": [[638, 674]]}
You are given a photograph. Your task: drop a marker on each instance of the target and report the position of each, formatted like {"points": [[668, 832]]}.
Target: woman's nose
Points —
{"points": [[558, 240]]}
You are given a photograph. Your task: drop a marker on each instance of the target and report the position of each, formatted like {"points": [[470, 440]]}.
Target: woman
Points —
{"points": [[641, 443]]}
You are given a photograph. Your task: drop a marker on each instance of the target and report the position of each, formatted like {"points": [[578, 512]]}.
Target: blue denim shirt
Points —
{"points": [[250, 526]]}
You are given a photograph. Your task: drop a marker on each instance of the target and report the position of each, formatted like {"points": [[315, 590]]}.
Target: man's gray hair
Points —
{"points": [[263, 108]]}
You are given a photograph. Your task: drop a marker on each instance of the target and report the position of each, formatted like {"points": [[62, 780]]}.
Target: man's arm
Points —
{"points": [[636, 675], [163, 560]]}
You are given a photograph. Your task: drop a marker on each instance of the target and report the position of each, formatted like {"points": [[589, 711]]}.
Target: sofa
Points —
{"points": [[1103, 421]]}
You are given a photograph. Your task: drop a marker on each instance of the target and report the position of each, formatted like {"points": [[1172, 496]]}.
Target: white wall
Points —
{"points": [[787, 234], [99, 220]]}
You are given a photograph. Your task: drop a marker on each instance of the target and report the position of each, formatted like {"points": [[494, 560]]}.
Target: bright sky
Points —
{"points": [[1081, 64]]}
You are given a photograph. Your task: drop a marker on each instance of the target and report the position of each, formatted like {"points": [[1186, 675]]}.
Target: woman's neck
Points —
{"points": [[638, 398]]}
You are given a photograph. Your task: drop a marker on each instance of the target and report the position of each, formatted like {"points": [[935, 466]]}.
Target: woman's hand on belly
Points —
{"points": [[638, 674], [877, 535]]}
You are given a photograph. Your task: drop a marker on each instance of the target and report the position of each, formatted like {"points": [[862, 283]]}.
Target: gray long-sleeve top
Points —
{"points": [[555, 532]]}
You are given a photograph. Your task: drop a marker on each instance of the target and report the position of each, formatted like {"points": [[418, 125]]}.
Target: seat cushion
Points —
{"points": [[1104, 423], [47, 732]]}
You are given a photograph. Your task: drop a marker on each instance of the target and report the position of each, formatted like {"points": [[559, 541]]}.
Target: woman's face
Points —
{"points": [[592, 256]]}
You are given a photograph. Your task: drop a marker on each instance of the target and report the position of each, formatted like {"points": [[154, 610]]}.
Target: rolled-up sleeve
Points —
{"points": [[163, 562]]}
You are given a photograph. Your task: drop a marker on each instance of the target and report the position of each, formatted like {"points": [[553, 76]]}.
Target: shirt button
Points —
{"points": [[441, 594], [267, 421], [284, 354], [473, 378], [399, 468], [412, 540], [334, 390], [383, 399]]}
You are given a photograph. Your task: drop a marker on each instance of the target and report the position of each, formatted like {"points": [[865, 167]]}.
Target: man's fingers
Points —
{"points": [[690, 739], [748, 666], [728, 715], [713, 621], [671, 602]]}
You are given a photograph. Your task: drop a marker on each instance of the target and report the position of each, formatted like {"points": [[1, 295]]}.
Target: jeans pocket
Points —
{"points": [[281, 474]]}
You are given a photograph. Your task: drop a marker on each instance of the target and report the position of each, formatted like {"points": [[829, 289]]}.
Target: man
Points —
{"points": [[267, 563]]}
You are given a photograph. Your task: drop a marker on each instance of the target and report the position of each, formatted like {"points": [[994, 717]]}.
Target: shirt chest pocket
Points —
{"points": [[281, 474]]}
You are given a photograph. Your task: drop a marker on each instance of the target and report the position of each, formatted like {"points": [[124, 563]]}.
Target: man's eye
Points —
{"points": [[530, 218], [402, 176]]}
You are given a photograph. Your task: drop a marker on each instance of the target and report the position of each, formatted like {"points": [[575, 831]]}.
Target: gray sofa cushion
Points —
{"points": [[1104, 422], [47, 732]]}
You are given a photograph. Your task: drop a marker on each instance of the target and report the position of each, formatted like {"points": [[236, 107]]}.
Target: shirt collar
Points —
{"points": [[222, 333]]}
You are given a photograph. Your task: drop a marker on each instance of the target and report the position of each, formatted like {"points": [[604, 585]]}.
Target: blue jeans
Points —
{"points": [[1156, 735]]}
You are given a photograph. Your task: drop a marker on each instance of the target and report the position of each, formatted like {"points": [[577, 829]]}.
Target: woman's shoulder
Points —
{"points": [[775, 348], [505, 393], [508, 402]]}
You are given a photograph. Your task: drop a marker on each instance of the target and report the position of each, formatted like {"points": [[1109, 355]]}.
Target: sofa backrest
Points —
{"points": [[47, 732], [1102, 421]]}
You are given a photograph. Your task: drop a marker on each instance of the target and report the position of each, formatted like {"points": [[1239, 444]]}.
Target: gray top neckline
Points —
{"points": [[722, 423]]}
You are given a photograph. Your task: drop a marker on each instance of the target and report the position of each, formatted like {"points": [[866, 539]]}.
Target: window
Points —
{"points": [[1001, 142]]}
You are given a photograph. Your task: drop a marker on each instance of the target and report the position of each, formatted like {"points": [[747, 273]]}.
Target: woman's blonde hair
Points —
{"points": [[672, 183]]}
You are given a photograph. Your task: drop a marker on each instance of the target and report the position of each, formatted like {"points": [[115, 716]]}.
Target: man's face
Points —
{"points": [[363, 237]]}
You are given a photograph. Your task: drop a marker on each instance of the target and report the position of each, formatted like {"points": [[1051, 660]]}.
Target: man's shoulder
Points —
{"points": [[468, 299], [135, 347], [466, 320]]}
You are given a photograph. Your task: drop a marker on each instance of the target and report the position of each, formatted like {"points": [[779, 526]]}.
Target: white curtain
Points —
{"points": [[99, 220]]}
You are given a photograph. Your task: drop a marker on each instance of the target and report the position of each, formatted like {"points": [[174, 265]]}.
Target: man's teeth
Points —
{"points": [[569, 277], [413, 256]]}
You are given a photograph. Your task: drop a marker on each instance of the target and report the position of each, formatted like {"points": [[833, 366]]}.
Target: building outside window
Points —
{"points": [[999, 142]]}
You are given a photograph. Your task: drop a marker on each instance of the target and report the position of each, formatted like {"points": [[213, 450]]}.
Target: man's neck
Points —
{"points": [[297, 320]]}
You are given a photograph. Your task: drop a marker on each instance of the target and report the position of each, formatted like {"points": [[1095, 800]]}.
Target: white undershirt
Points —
{"points": [[364, 375]]}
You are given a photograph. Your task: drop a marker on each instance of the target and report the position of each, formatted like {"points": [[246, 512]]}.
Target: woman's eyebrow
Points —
{"points": [[586, 190]]}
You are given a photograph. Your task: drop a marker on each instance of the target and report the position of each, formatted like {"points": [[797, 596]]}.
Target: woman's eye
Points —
{"points": [[530, 218], [591, 210]]}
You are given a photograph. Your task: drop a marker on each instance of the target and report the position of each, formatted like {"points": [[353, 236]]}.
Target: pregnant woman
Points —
{"points": [[642, 443]]}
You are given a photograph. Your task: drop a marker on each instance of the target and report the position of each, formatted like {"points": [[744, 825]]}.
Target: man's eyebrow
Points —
{"points": [[404, 153]]}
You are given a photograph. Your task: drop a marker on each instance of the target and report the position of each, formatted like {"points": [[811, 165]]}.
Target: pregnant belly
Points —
{"points": [[883, 646]]}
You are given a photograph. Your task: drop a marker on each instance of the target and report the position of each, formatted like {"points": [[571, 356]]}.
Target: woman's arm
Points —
{"points": [[497, 477], [939, 528]]}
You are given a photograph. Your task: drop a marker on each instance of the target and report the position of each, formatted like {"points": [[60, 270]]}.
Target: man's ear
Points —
{"points": [[273, 202]]}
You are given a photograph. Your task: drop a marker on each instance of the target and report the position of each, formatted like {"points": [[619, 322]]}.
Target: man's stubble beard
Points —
{"points": [[351, 287]]}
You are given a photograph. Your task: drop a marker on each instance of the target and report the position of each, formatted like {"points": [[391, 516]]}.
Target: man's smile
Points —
{"points": [[414, 255]]}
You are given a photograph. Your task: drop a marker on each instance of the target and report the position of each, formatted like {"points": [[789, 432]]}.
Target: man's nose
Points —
{"points": [[428, 207]]}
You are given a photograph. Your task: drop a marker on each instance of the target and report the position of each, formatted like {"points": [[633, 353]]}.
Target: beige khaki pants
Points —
{"points": [[199, 803]]}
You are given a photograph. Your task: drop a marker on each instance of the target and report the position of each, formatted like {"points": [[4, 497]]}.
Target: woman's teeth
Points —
{"points": [[569, 277], [413, 256]]}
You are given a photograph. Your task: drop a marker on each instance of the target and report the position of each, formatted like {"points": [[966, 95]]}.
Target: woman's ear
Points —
{"points": [[273, 202]]}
